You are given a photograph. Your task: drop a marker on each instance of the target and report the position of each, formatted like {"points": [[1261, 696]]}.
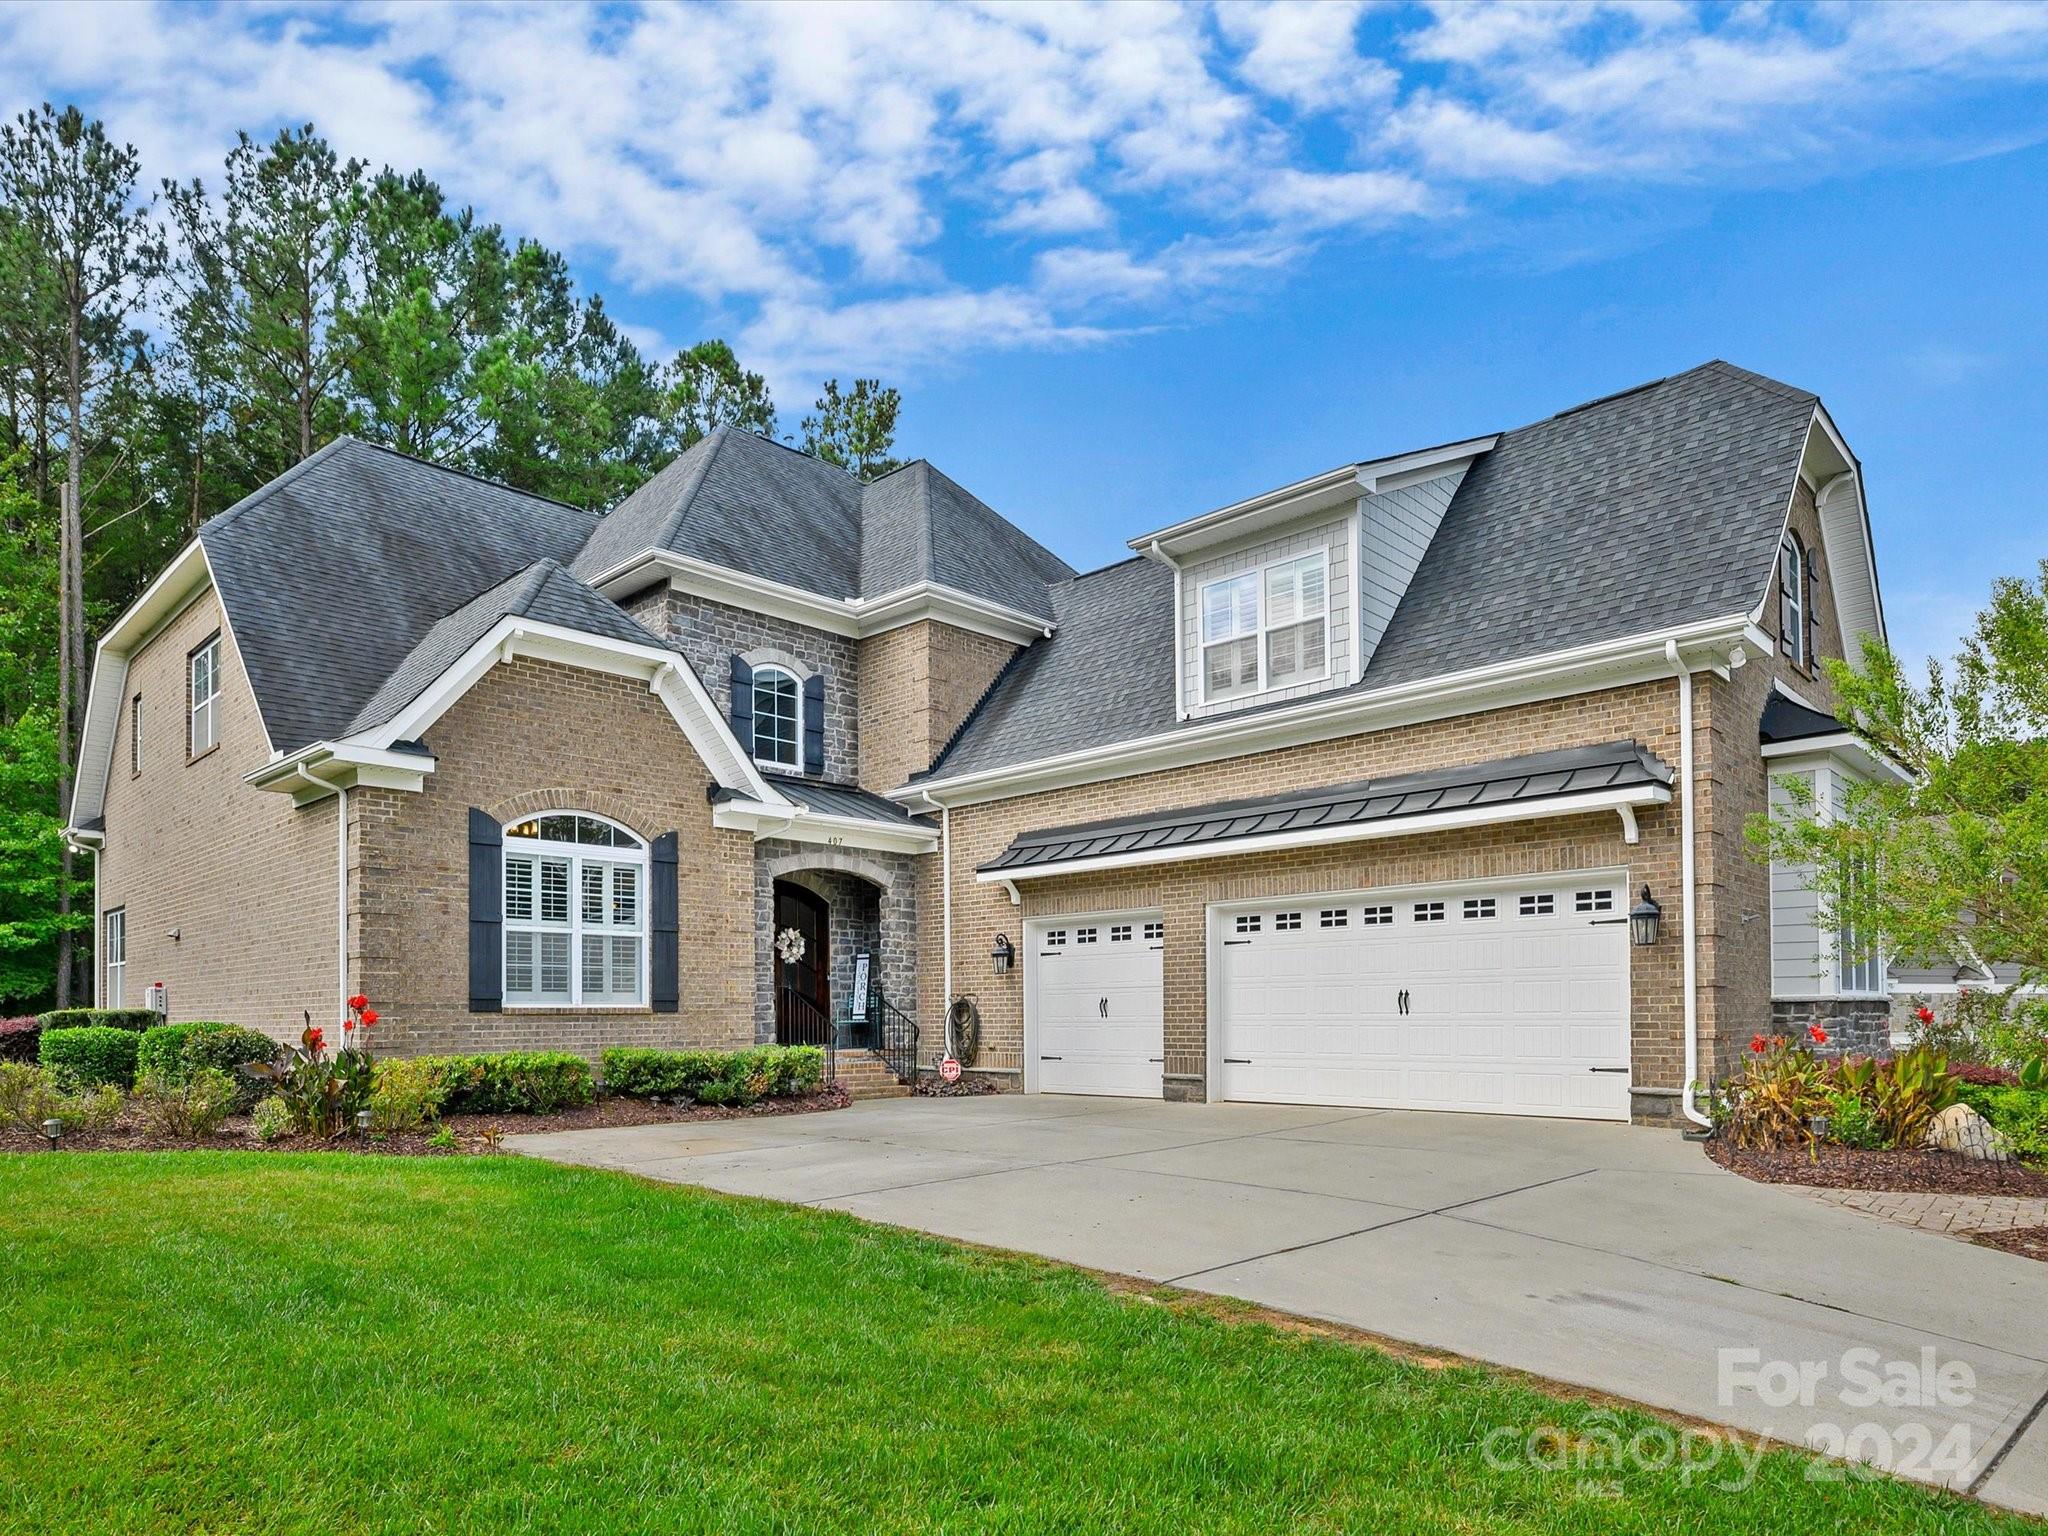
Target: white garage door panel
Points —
{"points": [[1509, 1013], [1098, 1016]]}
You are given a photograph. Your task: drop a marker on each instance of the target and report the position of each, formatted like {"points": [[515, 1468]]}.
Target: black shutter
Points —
{"points": [[743, 704], [486, 914], [814, 723], [1812, 611], [662, 990]]}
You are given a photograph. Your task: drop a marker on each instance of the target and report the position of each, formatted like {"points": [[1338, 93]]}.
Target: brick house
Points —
{"points": [[1341, 793]]}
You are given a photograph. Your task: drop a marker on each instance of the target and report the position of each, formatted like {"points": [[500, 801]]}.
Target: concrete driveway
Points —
{"points": [[1608, 1256]]}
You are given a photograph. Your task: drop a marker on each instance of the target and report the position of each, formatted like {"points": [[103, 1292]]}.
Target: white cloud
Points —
{"points": [[892, 185]]}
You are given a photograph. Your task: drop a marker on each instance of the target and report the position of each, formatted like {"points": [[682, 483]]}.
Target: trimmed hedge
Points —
{"points": [[512, 1082], [173, 1052], [90, 1056], [714, 1077], [2018, 1114], [137, 1019], [18, 1038]]}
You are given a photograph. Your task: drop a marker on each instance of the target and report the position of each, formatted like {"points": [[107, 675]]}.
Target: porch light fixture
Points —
{"points": [[54, 1130], [1643, 918], [1003, 955]]}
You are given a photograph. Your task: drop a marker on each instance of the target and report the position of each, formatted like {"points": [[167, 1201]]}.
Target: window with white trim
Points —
{"points": [[1248, 924], [203, 676], [1119, 933], [1429, 911], [1334, 917], [575, 913], [1376, 917], [1593, 901], [1267, 628], [1792, 599], [1478, 908], [115, 923], [1286, 922], [778, 732], [1084, 935], [1538, 906], [1155, 930]]}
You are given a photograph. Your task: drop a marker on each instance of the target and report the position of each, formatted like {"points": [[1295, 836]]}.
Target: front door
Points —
{"points": [[803, 996]]}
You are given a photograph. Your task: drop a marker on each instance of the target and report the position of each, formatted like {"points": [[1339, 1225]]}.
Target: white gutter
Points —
{"points": [[1687, 898]]}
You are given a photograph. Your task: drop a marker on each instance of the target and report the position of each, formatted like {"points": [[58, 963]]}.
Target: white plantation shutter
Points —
{"points": [[1297, 607]]}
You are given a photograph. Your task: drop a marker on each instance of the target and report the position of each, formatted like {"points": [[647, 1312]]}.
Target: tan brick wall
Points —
{"points": [[246, 881], [917, 684], [1644, 712], [1735, 895], [536, 736]]}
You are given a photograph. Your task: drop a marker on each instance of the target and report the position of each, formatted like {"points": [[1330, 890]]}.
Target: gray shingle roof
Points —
{"points": [[918, 524], [1535, 776], [543, 592], [1638, 512], [335, 571], [748, 504]]}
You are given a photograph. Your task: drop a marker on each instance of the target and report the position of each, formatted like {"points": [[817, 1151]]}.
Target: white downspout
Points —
{"points": [[1686, 888], [341, 993], [945, 898]]}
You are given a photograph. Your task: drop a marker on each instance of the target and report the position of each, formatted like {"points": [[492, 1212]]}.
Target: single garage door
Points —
{"points": [[1503, 999], [1097, 1013]]}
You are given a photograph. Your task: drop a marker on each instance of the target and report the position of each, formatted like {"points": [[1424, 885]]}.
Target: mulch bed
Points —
{"points": [[473, 1133], [2027, 1242], [969, 1087], [1829, 1167]]}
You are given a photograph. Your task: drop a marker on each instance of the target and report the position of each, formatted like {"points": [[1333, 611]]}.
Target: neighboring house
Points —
{"points": [[1342, 793]]}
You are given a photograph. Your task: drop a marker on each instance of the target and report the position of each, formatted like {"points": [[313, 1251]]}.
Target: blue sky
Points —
{"points": [[1129, 262]]}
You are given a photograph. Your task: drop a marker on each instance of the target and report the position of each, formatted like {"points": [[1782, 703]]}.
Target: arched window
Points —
{"points": [[575, 912], [778, 733], [1792, 599]]}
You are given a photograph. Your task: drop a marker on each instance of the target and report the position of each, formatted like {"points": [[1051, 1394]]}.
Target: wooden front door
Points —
{"points": [[803, 993]]}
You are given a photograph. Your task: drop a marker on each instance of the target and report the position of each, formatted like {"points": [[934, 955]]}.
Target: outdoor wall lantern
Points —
{"points": [[1003, 955], [1643, 918]]}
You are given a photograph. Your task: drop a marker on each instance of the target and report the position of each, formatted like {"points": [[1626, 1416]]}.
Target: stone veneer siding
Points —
{"points": [[873, 900], [918, 683], [1854, 1026], [711, 633], [1644, 712], [246, 881], [535, 736]]}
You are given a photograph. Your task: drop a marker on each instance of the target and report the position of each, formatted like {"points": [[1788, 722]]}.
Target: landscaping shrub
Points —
{"points": [[1852, 1123], [322, 1093], [407, 1092], [514, 1082], [2018, 1114], [1985, 1075], [172, 1052], [270, 1119], [191, 1108], [137, 1019], [228, 1048], [18, 1038], [90, 1056], [714, 1077], [29, 1096]]}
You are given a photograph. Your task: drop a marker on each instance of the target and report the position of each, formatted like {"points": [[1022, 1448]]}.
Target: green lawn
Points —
{"points": [[242, 1342]]}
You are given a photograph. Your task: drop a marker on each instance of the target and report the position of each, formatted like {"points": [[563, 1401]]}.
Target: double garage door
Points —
{"points": [[1510, 999]]}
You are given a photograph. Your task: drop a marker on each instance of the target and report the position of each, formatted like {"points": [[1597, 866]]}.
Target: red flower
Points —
{"points": [[1924, 1013], [359, 1002], [369, 1017], [1818, 1035], [1759, 1044], [315, 1040]]}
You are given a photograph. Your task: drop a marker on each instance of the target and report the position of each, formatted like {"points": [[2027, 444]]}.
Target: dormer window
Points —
{"points": [[1267, 628], [777, 732], [1792, 600]]}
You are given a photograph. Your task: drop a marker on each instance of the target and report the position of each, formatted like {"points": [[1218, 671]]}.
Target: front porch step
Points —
{"points": [[864, 1075]]}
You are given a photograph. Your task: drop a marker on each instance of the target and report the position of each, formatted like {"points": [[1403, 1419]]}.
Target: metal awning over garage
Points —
{"points": [[1618, 776]]}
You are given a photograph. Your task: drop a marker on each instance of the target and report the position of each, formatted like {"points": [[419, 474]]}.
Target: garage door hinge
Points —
{"points": [[1237, 1061], [1607, 1069], [1228, 942]]}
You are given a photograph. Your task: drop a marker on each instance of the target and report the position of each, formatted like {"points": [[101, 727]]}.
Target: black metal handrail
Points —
{"points": [[800, 1021], [887, 1031]]}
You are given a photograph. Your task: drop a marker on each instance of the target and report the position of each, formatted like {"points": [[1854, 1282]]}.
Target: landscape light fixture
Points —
{"points": [[54, 1129]]}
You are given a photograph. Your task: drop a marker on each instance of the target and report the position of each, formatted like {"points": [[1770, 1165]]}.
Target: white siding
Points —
{"points": [[1864, 978], [1393, 536], [1800, 967], [1332, 537]]}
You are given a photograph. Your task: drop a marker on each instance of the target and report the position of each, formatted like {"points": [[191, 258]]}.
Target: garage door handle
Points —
{"points": [[1156, 1058], [1237, 1061], [1607, 1069], [1052, 1058], [1228, 942]]}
